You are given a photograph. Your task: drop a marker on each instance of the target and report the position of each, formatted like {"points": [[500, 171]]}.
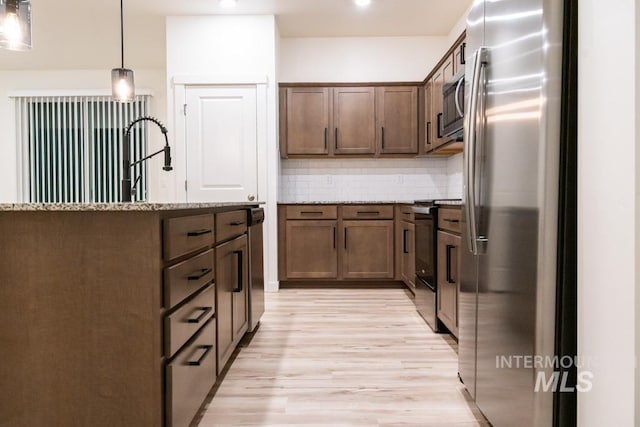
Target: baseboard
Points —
{"points": [[342, 284]]}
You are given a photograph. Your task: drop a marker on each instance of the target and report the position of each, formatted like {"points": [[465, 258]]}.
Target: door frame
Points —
{"points": [[181, 84]]}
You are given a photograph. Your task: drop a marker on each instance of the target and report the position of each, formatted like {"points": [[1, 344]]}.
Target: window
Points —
{"points": [[71, 148]]}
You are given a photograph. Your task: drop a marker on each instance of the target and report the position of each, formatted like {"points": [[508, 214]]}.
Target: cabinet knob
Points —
{"points": [[251, 197]]}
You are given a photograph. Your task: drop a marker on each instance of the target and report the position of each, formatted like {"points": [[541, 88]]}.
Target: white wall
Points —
{"points": [[228, 49], [305, 180], [359, 59], [607, 220], [69, 80]]}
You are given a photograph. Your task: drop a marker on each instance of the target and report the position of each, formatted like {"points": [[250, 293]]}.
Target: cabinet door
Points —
{"points": [[311, 249], [354, 115], [231, 296], [408, 254], [444, 73], [397, 119], [448, 274], [459, 57], [307, 121], [240, 293], [368, 250], [428, 116]]}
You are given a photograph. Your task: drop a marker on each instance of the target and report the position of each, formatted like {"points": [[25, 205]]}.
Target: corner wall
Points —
{"points": [[607, 216]]}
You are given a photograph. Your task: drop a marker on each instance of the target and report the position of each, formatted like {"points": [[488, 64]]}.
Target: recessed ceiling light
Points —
{"points": [[363, 3], [228, 3]]}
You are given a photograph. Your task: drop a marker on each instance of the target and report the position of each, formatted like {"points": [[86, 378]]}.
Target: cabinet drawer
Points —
{"points": [[230, 225], [190, 377], [312, 212], [406, 213], [180, 326], [186, 234], [367, 212], [183, 279], [449, 219]]}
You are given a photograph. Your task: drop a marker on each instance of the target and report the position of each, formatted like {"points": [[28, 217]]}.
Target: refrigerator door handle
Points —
{"points": [[470, 139]]}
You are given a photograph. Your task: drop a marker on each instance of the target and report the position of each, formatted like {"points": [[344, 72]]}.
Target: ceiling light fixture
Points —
{"points": [[122, 85], [15, 24], [228, 3], [362, 3]]}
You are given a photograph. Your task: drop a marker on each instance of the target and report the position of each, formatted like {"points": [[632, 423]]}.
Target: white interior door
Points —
{"points": [[221, 143]]}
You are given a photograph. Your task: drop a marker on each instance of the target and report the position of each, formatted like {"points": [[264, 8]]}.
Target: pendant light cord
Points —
{"points": [[122, 33]]}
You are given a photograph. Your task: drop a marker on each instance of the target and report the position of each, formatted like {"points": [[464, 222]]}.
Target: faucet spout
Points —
{"points": [[126, 161]]}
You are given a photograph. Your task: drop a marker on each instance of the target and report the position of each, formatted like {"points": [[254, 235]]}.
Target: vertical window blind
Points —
{"points": [[71, 147]]}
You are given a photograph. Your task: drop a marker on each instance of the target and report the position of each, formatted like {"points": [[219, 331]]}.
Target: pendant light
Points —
{"points": [[122, 85], [15, 24]]}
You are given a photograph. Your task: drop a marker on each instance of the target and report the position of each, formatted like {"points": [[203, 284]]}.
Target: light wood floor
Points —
{"points": [[343, 357]]}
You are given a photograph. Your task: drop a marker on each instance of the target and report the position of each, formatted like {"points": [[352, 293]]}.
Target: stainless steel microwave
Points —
{"points": [[453, 107]]}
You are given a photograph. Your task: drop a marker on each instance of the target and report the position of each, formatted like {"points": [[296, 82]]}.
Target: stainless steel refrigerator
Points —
{"points": [[517, 290]]}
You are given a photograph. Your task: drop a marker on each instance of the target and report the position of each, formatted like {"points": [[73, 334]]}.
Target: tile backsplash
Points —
{"points": [[304, 180], [454, 177]]}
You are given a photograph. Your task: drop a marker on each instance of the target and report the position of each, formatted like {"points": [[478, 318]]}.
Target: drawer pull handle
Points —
{"points": [[368, 212], [448, 275], [199, 232], [405, 240], [205, 353], [240, 273], [204, 310], [237, 223], [197, 275], [455, 221], [310, 213]]}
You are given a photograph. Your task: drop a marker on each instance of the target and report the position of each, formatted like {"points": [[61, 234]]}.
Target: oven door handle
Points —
{"points": [[421, 210], [457, 97]]}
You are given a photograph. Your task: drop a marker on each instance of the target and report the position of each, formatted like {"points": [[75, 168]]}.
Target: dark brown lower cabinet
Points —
{"points": [[336, 242], [408, 254], [448, 279], [368, 249], [190, 376], [232, 277], [122, 321], [312, 249]]}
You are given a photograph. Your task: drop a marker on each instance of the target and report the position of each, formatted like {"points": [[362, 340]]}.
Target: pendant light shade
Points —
{"points": [[122, 84], [123, 87], [15, 24]]}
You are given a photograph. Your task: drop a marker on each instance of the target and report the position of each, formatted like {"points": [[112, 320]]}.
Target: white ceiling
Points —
{"points": [[85, 33]]}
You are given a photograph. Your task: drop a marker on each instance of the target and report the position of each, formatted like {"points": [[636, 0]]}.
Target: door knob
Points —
{"points": [[251, 197]]}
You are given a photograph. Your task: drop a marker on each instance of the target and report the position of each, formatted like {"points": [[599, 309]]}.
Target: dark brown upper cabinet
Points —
{"points": [[459, 59], [354, 117], [378, 119], [440, 77], [341, 120], [397, 119], [433, 143], [306, 120]]}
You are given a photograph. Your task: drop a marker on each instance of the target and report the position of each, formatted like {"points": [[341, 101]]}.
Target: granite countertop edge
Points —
{"points": [[372, 202], [111, 207], [350, 202]]}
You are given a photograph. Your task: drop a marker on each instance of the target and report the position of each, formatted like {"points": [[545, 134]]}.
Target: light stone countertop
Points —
{"points": [[351, 202], [111, 207]]}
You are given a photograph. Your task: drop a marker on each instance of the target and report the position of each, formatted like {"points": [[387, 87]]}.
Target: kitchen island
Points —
{"points": [[117, 314]]}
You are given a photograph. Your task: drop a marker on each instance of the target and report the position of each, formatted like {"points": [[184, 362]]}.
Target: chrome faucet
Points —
{"points": [[126, 161]]}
